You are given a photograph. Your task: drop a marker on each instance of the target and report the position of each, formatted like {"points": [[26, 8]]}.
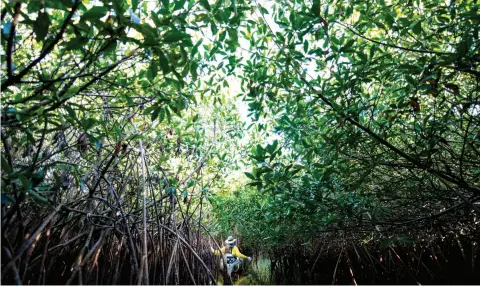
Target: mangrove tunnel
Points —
{"points": [[240, 142]]}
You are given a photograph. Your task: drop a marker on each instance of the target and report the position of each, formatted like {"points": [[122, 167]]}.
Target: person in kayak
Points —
{"points": [[232, 254]]}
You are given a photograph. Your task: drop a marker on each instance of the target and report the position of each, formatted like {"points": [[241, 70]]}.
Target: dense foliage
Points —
{"points": [[110, 139], [124, 135], [376, 109]]}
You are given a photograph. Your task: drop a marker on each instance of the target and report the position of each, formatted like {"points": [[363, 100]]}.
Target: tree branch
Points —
{"points": [[15, 78], [389, 45]]}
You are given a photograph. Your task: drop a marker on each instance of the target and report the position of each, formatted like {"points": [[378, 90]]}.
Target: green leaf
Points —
{"points": [[5, 166], [389, 19], [347, 45], [152, 71], [213, 28], [179, 4], [205, 4], [112, 47], [134, 5], [195, 48], [174, 36], [263, 10], [221, 16], [274, 145], [56, 4], [40, 27], [34, 6], [165, 4], [305, 46], [25, 182], [70, 111], [316, 8], [88, 123], [250, 176], [119, 7], [169, 115], [76, 43], [416, 27], [163, 62], [193, 70], [162, 115], [117, 130], [95, 13], [155, 113]]}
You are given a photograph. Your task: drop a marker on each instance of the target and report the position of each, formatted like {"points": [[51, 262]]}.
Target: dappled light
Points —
{"points": [[240, 142]]}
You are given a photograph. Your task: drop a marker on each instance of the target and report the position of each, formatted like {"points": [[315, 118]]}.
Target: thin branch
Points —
{"points": [[389, 45], [31, 240], [15, 78], [11, 38]]}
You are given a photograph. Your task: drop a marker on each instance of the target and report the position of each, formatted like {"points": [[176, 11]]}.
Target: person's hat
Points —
{"points": [[230, 240]]}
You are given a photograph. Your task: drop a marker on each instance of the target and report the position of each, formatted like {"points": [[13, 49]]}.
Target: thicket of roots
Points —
{"points": [[101, 219], [443, 252], [99, 240]]}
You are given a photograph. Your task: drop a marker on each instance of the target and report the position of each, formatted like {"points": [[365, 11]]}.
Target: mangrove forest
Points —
{"points": [[240, 142]]}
